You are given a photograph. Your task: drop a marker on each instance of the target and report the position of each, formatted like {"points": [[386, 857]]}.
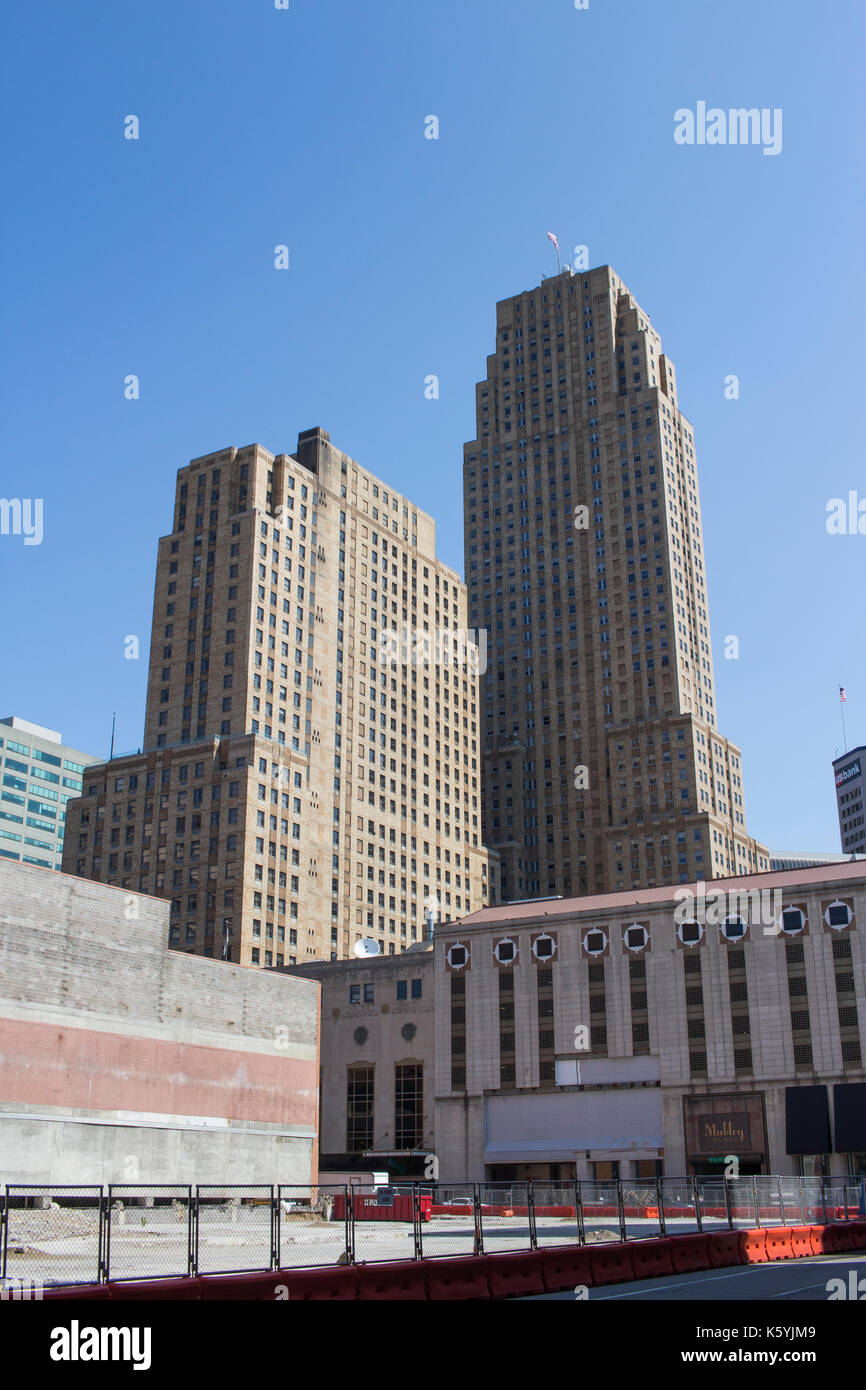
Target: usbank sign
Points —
{"points": [[852, 770]]}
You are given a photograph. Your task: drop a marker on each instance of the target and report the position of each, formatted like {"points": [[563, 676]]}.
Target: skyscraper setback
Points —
{"points": [[603, 765], [308, 775]]}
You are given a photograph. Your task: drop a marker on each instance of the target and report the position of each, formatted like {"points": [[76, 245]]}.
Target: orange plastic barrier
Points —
{"points": [[652, 1259], [801, 1240], [754, 1247], [462, 1278], [511, 1275], [724, 1248], [403, 1281], [779, 1243], [611, 1264], [565, 1267], [690, 1253]]}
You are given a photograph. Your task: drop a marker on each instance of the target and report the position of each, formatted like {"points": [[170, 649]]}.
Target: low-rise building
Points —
{"points": [[122, 1061], [635, 1034]]}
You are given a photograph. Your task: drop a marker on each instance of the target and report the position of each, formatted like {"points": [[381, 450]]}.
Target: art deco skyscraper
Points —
{"points": [[305, 780], [603, 765]]}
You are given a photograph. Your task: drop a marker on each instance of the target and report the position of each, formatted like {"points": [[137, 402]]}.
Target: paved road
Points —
{"points": [[802, 1280]]}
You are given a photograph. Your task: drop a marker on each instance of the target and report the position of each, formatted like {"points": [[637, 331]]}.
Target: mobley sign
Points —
{"points": [[722, 1132]]}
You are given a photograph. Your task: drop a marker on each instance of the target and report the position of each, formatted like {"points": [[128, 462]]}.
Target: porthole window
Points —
{"points": [[544, 948], [733, 929], [838, 916], [505, 951], [595, 943], [636, 938], [458, 956], [690, 933], [792, 921]]}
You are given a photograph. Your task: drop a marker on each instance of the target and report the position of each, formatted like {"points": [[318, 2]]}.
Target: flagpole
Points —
{"points": [[842, 712]]}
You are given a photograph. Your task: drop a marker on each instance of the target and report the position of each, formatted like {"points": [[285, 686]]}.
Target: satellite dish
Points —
{"points": [[367, 947]]}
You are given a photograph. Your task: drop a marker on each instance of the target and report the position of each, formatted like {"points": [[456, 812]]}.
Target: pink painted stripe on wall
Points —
{"points": [[43, 1064]]}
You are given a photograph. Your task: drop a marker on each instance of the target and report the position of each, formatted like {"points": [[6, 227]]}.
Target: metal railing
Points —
{"points": [[71, 1235]]}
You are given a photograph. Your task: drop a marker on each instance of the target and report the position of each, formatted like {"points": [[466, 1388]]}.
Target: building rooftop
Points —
{"points": [[849, 871]]}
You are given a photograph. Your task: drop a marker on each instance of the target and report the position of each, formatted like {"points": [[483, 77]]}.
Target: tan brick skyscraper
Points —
{"points": [[302, 783], [603, 767]]}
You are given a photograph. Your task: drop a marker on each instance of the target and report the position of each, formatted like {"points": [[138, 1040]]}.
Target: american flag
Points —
{"points": [[555, 239], [842, 696]]}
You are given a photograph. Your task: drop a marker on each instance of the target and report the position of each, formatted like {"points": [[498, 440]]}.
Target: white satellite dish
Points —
{"points": [[367, 947]]}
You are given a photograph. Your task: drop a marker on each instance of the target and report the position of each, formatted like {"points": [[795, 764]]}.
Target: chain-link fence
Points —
{"points": [[86, 1235], [149, 1231], [53, 1234]]}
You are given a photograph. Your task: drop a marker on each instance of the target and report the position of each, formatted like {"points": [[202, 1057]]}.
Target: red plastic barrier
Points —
{"points": [[157, 1289], [565, 1267], [462, 1278], [839, 1238], [515, 1274], [260, 1286], [779, 1243], [79, 1293], [754, 1247], [337, 1283], [652, 1259], [724, 1248], [611, 1264], [690, 1253], [816, 1235], [858, 1231], [406, 1280], [801, 1241]]}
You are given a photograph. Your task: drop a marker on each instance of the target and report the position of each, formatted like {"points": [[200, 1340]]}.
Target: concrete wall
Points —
{"points": [[123, 1061]]}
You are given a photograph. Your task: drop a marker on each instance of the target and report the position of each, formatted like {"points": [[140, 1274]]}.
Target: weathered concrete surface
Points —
{"points": [[123, 1061]]}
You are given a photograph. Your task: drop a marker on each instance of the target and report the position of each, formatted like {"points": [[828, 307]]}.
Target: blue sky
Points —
{"points": [[260, 127]]}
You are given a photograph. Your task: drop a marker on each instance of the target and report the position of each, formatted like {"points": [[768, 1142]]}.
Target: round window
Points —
{"points": [[690, 933], [792, 921], [838, 916], [505, 951], [636, 937], [544, 947], [458, 957], [595, 943]]}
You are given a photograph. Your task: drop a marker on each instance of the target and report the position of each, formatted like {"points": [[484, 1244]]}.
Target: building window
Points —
{"points": [[408, 1105], [359, 1109]]}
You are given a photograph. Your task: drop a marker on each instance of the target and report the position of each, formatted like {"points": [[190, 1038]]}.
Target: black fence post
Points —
{"points": [[105, 1253], [479, 1227], [195, 1206], [728, 1207], [661, 1206], [696, 1200], [4, 1226], [824, 1197], [781, 1201], [756, 1202], [416, 1221], [530, 1213], [578, 1212], [275, 1227], [623, 1233]]}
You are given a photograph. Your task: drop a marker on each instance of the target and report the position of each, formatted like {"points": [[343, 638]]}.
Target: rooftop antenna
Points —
{"points": [[842, 698], [113, 727]]}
